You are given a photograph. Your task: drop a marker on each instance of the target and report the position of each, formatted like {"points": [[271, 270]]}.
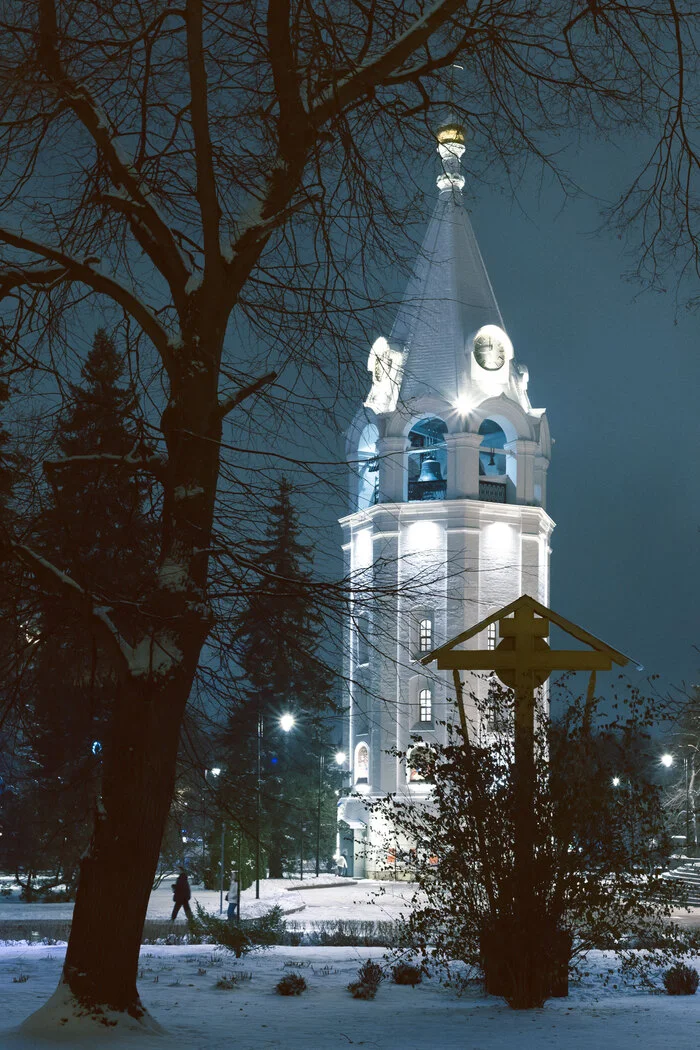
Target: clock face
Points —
{"points": [[489, 351]]}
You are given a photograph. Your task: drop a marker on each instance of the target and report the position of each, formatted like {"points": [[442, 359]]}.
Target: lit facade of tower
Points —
{"points": [[448, 465]]}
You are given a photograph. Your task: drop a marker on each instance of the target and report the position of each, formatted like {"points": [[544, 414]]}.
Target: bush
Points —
{"points": [[362, 991], [370, 976], [291, 984], [356, 932], [681, 980], [239, 937], [226, 984], [406, 973]]}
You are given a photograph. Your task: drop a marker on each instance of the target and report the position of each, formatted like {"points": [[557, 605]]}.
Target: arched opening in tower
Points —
{"points": [[492, 462], [427, 459], [367, 468]]}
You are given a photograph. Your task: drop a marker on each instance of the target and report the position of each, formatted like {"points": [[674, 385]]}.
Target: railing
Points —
{"points": [[492, 491], [424, 490]]}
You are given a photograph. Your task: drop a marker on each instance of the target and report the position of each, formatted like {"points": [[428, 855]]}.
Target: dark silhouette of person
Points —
{"points": [[181, 896]]}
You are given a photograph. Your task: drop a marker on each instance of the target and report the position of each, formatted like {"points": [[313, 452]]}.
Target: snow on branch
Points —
{"points": [[55, 580], [134, 460], [155, 655]]}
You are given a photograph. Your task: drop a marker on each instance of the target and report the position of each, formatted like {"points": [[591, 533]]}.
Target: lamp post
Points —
{"points": [[667, 760], [216, 773], [257, 807], [286, 723], [321, 763]]}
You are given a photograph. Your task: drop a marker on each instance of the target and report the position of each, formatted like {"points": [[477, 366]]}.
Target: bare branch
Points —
{"points": [[74, 270], [150, 230], [235, 399], [52, 579], [206, 190], [365, 78]]}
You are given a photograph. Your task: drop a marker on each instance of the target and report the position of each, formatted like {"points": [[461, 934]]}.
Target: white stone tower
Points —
{"points": [[447, 523]]}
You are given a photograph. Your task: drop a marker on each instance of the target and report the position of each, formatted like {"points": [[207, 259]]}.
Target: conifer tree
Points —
{"points": [[11, 647], [93, 526], [283, 672]]}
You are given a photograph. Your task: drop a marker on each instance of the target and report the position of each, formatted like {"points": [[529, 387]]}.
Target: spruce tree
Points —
{"points": [[12, 639], [94, 527], [283, 672]]}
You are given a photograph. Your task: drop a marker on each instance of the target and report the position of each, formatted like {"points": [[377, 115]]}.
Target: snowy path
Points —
{"points": [[329, 898], [197, 1016]]}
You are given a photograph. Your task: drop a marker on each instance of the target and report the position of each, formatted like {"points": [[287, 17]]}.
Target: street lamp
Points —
{"points": [[616, 782], [216, 772], [340, 757], [286, 723], [667, 760]]}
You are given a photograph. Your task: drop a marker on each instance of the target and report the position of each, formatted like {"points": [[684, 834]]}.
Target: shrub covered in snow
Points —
{"points": [[406, 973], [291, 984], [369, 976], [681, 979]]}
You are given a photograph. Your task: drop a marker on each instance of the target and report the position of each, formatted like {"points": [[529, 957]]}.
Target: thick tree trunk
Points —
{"points": [[275, 860], [117, 873]]}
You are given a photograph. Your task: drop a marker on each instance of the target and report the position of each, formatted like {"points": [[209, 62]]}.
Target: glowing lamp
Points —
{"points": [[287, 722], [667, 760]]}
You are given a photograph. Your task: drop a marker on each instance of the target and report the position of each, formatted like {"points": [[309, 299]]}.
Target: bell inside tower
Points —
{"points": [[427, 460], [492, 463]]}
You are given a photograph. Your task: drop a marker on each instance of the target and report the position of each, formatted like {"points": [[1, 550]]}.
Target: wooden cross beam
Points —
{"points": [[523, 651]]}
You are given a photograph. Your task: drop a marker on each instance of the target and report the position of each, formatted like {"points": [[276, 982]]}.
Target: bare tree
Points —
{"points": [[222, 180]]}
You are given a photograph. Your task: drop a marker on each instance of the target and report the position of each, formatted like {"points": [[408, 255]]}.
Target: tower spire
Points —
{"points": [[450, 138]]}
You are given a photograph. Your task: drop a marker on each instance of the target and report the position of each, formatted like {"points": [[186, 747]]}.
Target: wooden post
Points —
{"points": [[525, 955]]}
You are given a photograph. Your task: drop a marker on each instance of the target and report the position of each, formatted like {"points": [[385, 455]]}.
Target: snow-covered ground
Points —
{"points": [[178, 986]]}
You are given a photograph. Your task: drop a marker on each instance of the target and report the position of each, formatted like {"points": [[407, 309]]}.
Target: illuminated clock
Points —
{"points": [[490, 349]]}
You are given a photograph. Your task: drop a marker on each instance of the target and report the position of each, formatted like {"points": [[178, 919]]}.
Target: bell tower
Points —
{"points": [[447, 519]]}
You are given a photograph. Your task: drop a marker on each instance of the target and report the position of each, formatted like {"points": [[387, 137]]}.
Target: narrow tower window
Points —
{"points": [[425, 635], [362, 640], [491, 636], [418, 761], [425, 705], [362, 764]]}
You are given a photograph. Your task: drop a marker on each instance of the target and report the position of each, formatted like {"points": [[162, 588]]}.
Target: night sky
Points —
{"points": [[619, 374]]}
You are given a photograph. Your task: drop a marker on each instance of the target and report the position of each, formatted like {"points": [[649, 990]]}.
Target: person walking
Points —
{"points": [[342, 864], [232, 898], [181, 896]]}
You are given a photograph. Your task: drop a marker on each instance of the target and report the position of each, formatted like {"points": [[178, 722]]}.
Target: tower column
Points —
{"points": [[541, 466], [463, 465], [390, 453], [525, 452]]}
